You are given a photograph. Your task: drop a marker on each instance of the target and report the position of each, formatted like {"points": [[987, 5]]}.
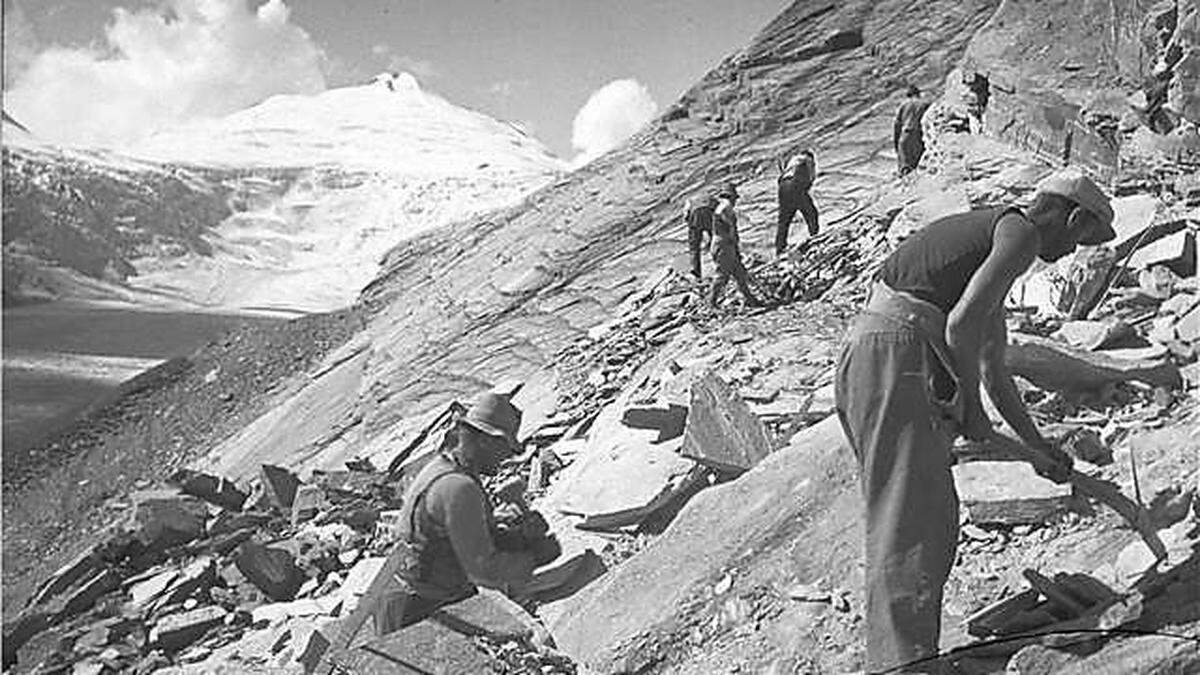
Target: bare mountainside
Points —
{"points": [[571, 292]]}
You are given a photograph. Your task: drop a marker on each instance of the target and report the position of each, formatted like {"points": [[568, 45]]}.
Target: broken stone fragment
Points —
{"points": [[212, 489], [1176, 252], [280, 486], [1092, 335], [669, 420], [1188, 326], [66, 576], [164, 518], [307, 503], [174, 632], [1085, 444], [272, 570], [721, 431], [1008, 492]]}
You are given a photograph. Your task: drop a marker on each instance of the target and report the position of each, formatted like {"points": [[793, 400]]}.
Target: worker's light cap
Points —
{"points": [[1080, 189], [495, 415]]}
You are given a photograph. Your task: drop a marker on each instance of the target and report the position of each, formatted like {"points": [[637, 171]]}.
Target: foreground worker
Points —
{"points": [[908, 382], [448, 536], [906, 131], [726, 253], [699, 218], [795, 179]]}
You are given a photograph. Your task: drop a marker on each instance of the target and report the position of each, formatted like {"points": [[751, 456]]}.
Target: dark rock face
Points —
{"points": [[94, 218]]}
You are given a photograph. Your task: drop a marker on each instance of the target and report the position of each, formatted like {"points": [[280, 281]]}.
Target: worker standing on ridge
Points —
{"points": [[725, 249], [906, 132], [448, 541], [908, 382], [795, 179], [699, 219]]}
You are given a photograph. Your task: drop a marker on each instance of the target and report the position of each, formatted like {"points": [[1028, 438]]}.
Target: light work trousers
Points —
{"points": [[896, 399]]}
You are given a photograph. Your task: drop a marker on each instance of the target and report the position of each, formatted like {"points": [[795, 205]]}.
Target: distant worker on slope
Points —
{"points": [[699, 217], [725, 249], [908, 382], [796, 177], [906, 132], [448, 539]]}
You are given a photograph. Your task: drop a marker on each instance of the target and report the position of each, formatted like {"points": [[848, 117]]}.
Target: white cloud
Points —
{"points": [[611, 115], [20, 42], [177, 61]]}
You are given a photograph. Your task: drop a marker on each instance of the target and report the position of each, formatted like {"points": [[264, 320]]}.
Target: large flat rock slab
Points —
{"points": [[623, 474], [764, 523], [1053, 365]]}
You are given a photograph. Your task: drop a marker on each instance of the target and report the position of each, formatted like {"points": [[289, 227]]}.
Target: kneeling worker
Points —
{"points": [[448, 536], [908, 382]]}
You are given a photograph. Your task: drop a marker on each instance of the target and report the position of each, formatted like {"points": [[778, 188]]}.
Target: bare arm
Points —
{"points": [[972, 320], [459, 503], [1002, 390]]}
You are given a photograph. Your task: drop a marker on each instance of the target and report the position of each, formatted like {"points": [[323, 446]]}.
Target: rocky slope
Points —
{"points": [[566, 292]]}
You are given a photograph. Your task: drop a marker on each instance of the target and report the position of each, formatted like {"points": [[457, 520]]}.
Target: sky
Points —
{"points": [[580, 75]]}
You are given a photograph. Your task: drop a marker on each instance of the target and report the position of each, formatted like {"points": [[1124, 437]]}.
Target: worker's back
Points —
{"points": [[432, 567], [910, 114]]}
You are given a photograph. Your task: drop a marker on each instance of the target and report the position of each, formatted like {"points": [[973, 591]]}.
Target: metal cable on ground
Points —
{"points": [[1025, 636]]}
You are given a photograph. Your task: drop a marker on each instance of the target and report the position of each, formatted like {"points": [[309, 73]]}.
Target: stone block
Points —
{"points": [[212, 489], [1188, 326], [200, 573], [621, 476], [444, 642], [307, 503], [669, 421], [164, 518], [1176, 251], [721, 431], [1052, 365], [420, 649], [1132, 215], [1092, 335], [145, 592], [1009, 493], [177, 631], [272, 570], [280, 486], [358, 580], [66, 576]]}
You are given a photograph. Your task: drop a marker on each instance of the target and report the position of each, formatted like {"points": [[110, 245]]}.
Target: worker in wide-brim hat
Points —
{"points": [[907, 383], [448, 544]]}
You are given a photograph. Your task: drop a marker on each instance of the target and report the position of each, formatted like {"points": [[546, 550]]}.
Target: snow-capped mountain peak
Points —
{"points": [[389, 125]]}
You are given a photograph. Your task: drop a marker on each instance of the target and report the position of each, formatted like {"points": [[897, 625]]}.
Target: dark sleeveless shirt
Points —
{"points": [[936, 263]]}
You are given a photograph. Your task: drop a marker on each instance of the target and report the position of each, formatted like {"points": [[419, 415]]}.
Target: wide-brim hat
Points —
{"points": [[495, 415], [1080, 189], [729, 191]]}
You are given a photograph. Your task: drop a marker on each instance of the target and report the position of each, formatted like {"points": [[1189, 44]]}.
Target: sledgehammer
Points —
{"points": [[1102, 491]]}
